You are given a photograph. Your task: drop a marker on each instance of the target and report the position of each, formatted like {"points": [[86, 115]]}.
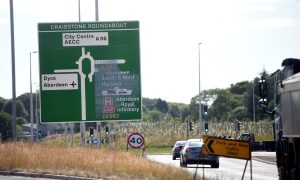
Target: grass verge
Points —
{"points": [[87, 162]]}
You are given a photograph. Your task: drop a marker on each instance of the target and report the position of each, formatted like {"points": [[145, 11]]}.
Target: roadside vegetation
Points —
{"points": [[112, 161], [106, 163], [160, 136]]}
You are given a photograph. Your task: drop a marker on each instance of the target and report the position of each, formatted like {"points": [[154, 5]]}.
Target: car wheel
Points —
{"points": [[295, 173], [181, 164], [184, 163], [215, 165]]}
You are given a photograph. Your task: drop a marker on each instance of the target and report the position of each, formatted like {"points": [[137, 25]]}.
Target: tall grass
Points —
{"points": [[86, 162], [164, 134]]}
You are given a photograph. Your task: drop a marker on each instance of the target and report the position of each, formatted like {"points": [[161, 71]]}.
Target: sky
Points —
{"points": [[238, 40]]}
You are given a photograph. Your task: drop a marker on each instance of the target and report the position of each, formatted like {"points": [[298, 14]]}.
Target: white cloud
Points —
{"points": [[269, 23], [267, 1], [4, 20], [258, 7]]}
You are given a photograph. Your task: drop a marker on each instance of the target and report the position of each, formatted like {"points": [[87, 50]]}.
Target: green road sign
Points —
{"points": [[90, 71]]}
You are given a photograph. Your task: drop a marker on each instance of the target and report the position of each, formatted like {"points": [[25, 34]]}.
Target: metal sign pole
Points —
{"points": [[98, 123], [99, 135], [200, 121], [187, 130], [245, 169], [14, 107], [251, 168], [82, 123]]}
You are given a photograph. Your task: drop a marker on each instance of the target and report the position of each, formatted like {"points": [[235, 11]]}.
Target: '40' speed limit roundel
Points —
{"points": [[136, 140]]}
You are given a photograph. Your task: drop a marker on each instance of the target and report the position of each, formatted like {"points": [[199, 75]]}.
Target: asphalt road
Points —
{"points": [[7, 175], [21, 178], [230, 168]]}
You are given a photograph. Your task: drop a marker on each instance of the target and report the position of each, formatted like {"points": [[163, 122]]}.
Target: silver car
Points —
{"points": [[191, 153], [177, 148]]}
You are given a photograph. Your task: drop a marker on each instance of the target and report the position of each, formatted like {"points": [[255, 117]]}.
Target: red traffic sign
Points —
{"points": [[136, 140]]}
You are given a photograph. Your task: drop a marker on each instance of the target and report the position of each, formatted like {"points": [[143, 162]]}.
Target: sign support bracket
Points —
{"points": [[246, 168]]}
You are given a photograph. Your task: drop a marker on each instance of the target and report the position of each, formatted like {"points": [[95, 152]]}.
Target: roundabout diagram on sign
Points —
{"points": [[136, 140]]}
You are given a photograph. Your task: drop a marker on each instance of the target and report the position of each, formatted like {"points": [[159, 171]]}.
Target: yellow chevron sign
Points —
{"points": [[227, 147]]}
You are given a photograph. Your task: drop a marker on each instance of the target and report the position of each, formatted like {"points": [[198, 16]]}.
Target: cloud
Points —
{"points": [[4, 20], [259, 7], [270, 23]]}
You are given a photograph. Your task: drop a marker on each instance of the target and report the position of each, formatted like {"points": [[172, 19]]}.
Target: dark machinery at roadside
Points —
{"points": [[286, 116], [258, 145]]}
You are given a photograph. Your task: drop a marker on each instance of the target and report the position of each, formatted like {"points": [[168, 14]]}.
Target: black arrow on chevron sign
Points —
{"points": [[209, 146]]}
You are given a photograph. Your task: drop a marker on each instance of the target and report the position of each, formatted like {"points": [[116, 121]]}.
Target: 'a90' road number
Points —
{"points": [[136, 140]]}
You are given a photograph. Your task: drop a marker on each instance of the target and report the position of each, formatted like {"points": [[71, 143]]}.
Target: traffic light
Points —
{"points": [[238, 125], [263, 88], [205, 110], [191, 126], [206, 126], [91, 132], [40, 132]]}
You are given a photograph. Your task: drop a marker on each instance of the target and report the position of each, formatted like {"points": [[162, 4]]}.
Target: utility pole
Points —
{"points": [[14, 108], [187, 130], [200, 121], [98, 123]]}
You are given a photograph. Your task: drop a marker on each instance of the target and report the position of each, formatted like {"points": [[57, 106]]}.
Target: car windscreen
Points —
{"points": [[180, 143], [195, 144]]}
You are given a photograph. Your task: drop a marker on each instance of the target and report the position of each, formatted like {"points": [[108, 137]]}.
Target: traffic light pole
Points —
{"points": [[98, 123], [99, 135], [200, 122], [187, 130]]}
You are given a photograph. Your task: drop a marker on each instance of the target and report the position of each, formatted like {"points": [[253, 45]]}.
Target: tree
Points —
{"points": [[221, 107], [194, 107], [21, 111], [162, 106], [5, 126], [147, 116], [25, 99], [149, 103], [240, 87], [156, 115], [2, 103], [154, 109], [206, 96], [239, 113], [21, 121], [179, 111]]}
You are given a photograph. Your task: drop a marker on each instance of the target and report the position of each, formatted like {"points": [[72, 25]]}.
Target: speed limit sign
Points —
{"points": [[136, 140]]}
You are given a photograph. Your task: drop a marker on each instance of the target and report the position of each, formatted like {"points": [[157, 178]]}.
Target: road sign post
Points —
{"points": [[90, 71]]}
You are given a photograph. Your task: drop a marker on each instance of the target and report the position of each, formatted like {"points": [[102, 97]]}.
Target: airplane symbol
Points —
{"points": [[73, 84]]}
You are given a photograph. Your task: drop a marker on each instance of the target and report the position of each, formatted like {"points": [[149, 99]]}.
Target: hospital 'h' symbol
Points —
{"points": [[108, 101], [108, 105]]}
